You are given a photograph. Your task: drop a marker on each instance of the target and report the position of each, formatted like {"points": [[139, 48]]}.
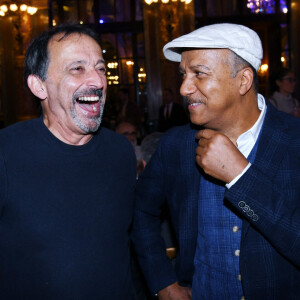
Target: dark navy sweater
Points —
{"points": [[65, 212]]}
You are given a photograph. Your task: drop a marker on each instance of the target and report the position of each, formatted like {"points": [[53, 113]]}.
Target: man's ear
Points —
{"points": [[246, 81], [37, 87]]}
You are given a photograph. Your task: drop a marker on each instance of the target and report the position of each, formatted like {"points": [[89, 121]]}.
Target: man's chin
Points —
{"points": [[89, 126], [196, 121]]}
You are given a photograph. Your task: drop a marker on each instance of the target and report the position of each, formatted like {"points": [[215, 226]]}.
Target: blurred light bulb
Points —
{"points": [[13, 7]]}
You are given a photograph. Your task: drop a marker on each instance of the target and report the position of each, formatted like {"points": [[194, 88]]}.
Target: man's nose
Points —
{"points": [[95, 79], [187, 87]]}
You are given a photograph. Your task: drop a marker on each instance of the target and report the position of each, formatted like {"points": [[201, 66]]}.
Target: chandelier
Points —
{"points": [[166, 1], [266, 6], [8, 7]]}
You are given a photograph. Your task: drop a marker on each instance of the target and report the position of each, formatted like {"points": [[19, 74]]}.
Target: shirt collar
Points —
{"points": [[251, 135]]}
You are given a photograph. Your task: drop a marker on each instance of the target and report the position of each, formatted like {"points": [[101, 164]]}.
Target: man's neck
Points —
{"points": [[245, 118], [67, 136]]}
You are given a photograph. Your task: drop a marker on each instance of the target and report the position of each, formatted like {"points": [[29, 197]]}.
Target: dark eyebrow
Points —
{"points": [[101, 61], [201, 67], [207, 69]]}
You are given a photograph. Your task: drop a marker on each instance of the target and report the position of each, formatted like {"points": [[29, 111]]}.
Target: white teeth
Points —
{"points": [[94, 108], [94, 98], [194, 104]]}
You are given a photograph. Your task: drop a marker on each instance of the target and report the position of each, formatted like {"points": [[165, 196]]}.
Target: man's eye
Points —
{"points": [[199, 73], [77, 69], [182, 75], [102, 70]]}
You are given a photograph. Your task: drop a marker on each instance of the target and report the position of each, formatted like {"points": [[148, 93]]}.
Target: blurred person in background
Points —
{"points": [[128, 109], [129, 129], [170, 113], [282, 85]]}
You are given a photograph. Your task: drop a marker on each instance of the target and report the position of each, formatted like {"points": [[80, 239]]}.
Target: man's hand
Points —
{"points": [[218, 156], [175, 292]]}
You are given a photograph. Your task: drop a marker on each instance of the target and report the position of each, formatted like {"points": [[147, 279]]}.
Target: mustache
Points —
{"points": [[188, 100], [88, 92]]}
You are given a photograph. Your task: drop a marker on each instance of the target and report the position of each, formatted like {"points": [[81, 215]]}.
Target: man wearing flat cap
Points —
{"points": [[231, 180]]}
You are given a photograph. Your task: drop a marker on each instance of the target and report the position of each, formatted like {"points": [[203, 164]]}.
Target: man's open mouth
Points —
{"points": [[89, 104], [194, 103]]}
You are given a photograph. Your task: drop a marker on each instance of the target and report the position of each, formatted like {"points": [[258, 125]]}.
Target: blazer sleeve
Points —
{"points": [[268, 197], [146, 231]]}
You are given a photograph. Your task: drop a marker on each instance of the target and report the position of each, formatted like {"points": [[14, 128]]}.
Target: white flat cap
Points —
{"points": [[240, 39]]}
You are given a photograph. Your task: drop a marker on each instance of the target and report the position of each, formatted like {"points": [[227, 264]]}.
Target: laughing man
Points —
{"points": [[66, 185]]}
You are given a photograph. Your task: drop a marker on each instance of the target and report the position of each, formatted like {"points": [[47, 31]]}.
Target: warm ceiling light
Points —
{"points": [[4, 8], [32, 10], [13, 7], [23, 7]]}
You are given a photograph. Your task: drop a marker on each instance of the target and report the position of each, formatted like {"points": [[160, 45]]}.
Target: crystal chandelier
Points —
{"points": [[8, 7]]}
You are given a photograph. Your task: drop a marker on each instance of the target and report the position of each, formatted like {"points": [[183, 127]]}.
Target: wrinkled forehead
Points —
{"points": [[61, 41], [75, 46]]}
